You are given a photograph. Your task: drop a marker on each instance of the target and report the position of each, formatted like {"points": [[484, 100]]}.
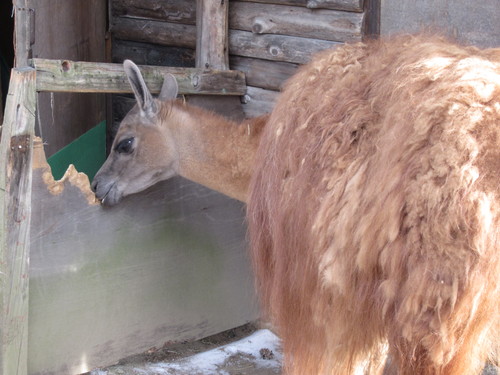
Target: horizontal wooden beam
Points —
{"points": [[78, 76], [323, 24]]}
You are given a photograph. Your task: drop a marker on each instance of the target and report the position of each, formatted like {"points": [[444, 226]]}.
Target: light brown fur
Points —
{"points": [[169, 137], [374, 212], [374, 207]]}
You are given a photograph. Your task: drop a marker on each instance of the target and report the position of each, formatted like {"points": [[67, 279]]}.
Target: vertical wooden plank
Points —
{"points": [[22, 31], [212, 52], [372, 19], [212, 34], [15, 214], [78, 35]]}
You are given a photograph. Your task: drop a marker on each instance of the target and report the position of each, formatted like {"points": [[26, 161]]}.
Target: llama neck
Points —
{"points": [[213, 151]]}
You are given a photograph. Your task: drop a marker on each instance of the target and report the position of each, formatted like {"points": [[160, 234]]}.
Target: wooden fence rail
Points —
{"points": [[78, 76]]}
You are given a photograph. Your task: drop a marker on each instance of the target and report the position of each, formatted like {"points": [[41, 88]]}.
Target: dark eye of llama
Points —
{"points": [[125, 146]]}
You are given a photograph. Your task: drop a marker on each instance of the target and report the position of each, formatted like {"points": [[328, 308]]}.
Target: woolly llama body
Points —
{"points": [[374, 212]]}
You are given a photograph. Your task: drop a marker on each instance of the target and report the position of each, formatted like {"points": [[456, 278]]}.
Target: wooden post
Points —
{"points": [[211, 34], [23, 33], [15, 214], [212, 52]]}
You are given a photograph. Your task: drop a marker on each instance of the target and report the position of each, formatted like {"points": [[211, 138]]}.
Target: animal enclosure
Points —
{"points": [[83, 286], [167, 265]]}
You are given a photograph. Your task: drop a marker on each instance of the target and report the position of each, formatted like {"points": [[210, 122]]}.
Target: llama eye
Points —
{"points": [[125, 146]]}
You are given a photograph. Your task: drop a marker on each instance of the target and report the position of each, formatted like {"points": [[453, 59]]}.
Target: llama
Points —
{"points": [[160, 138], [374, 212], [373, 201]]}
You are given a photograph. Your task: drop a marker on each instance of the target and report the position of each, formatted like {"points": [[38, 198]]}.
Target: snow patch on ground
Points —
{"points": [[211, 362], [259, 351]]}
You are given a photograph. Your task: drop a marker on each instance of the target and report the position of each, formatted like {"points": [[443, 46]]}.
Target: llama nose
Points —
{"points": [[93, 186]]}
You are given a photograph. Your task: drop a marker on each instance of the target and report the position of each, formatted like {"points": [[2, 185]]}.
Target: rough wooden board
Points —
{"points": [[347, 5], [211, 34], [15, 215], [152, 54], [163, 266], [72, 30], [79, 76], [168, 10], [22, 30], [184, 12], [241, 43], [265, 74], [258, 101], [151, 31], [322, 24], [276, 47], [212, 51]]}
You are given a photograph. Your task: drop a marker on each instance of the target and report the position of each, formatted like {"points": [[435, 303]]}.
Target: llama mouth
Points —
{"points": [[111, 198]]}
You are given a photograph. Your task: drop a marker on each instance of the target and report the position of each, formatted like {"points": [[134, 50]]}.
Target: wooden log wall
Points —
{"points": [[267, 39]]}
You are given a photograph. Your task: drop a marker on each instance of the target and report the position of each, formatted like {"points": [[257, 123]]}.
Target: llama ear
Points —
{"points": [[142, 95], [170, 88]]}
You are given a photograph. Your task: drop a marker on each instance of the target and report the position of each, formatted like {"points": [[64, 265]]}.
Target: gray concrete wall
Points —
{"points": [[467, 21]]}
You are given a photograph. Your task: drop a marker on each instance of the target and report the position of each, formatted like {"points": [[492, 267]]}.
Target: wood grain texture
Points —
{"points": [[73, 30], [276, 47], [296, 21], [78, 76], [23, 31], [347, 5], [258, 101], [167, 10], [15, 216], [151, 31], [152, 54], [212, 52], [294, 49], [211, 34], [265, 74]]}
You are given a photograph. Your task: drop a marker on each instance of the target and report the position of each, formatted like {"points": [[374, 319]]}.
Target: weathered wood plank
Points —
{"points": [[372, 18], [211, 34], [15, 216], [185, 11], [79, 76], [347, 5], [73, 30], [167, 10], [22, 31], [258, 101], [276, 47], [152, 54], [241, 43], [163, 33], [212, 52], [296, 21], [168, 264], [265, 74]]}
